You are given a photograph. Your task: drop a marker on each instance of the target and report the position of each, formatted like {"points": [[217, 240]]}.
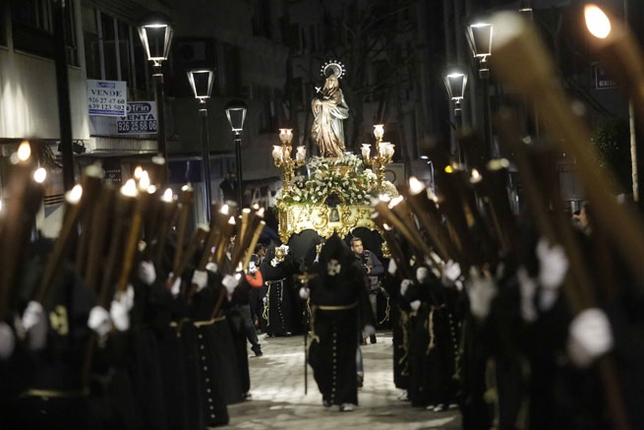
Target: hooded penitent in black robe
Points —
{"points": [[339, 304]]}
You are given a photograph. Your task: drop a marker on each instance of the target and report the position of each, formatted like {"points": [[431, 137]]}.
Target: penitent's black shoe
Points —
{"points": [[257, 350], [372, 338]]}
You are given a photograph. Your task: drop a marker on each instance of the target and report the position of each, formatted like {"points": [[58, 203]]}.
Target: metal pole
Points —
{"points": [[161, 137], [238, 161], [205, 160], [458, 119], [62, 87], [485, 84]]}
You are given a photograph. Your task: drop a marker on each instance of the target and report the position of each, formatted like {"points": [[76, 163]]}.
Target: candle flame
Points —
{"points": [[24, 151], [225, 209], [395, 201], [138, 171], [415, 186], [144, 180], [597, 21], [129, 189], [40, 175], [167, 195], [74, 195]]}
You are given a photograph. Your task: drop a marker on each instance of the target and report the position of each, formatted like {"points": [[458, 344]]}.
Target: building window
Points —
{"points": [[113, 51], [33, 29]]}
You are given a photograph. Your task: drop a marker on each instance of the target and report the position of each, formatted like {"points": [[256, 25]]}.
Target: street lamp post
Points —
{"points": [[201, 81], [479, 36], [455, 83], [155, 31], [236, 114]]}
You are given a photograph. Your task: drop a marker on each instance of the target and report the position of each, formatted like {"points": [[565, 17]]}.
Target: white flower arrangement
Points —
{"points": [[344, 176]]}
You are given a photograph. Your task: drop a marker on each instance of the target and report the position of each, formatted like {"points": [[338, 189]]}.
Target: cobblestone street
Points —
{"points": [[279, 402]]}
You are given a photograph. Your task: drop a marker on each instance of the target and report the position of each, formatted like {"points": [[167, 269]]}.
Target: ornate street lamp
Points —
{"points": [[479, 36], [236, 114], [283, 160], [201, 81], [155, 31], [455, 83]]}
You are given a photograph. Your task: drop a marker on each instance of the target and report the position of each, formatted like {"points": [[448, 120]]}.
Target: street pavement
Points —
{"points": [[279, 400]]}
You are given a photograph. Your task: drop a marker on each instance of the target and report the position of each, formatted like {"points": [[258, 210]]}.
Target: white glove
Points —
{"points": [[404, 285], [127, 297], [230, 282], [200, 279], [422, 273], [481, 290], [553, 264], [147, 273], [527, 289], [368, 330], [120, 315], [34, 320], [305, 293], [99, 321], [7, 341], [212, 267], [451, 271], [415, 305], [176, 286], [391, 269], [589, 336]]}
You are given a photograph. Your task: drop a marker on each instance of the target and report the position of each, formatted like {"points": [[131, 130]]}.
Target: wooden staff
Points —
{"points": [[213, 237], [251, 234], [19, 216], [430, 219], [101, 223], [620, 54], [185, 203], [419, 247], [91, 190], [451, 206], [124, 206], [76, 208], [218, 222], [576, 288], [401, 209], [253, 243], [143, 201], [241, 239], [167, 212], [517, 47], [402, 262], [197, 238], [491, 187], [151, 218]]}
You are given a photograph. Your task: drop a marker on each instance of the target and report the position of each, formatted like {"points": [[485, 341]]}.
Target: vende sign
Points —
{"points": [[106, 98], [141, 118]]}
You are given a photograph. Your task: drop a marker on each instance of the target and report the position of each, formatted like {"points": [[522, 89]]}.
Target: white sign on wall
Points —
{"points": [[141, 118], [106, 98]]}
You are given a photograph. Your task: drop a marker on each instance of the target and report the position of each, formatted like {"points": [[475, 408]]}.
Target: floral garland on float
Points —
{"points": [[335, 196]]}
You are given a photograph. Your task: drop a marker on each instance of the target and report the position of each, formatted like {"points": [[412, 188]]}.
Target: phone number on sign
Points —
{"points": [[149, 126]]}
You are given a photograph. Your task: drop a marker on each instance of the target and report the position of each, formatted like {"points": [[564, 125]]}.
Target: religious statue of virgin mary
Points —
{"points": [[329, 112]]}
